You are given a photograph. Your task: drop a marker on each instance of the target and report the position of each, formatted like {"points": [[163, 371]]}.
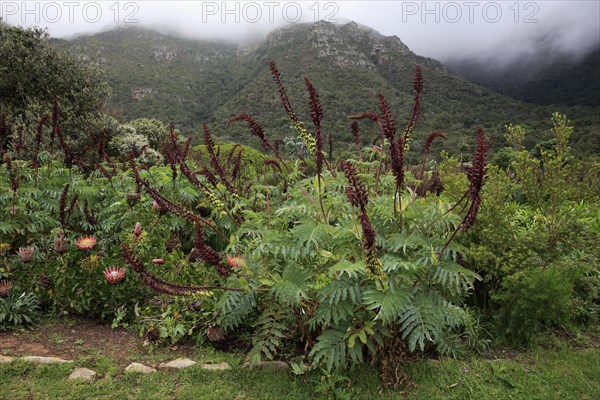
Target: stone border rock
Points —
{"points": [[84, 374], [176, 365], [140, 368], [282, 365], [217, 367], [89, 375], [6, 359], [45, 360]]}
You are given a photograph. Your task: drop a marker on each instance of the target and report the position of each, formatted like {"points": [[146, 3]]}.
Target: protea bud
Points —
{"points": [[26, 253], [158, 208], [61, 244], [137, 231], [5, 288], [114, 275], [92, 262], [158, 261]]}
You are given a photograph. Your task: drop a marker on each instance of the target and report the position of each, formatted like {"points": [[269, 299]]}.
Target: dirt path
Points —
{"points": [[72, 339]]}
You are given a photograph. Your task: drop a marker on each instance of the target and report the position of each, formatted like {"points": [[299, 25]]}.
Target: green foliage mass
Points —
{"points": [[35, 74], [536, 242], [307, 277], [19, 309], [108, 210]]}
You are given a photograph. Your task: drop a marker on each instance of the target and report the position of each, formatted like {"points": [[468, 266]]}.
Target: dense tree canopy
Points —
{"points": [[35, 74]]}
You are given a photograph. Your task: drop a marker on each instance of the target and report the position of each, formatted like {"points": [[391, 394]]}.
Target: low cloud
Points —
{"points": [[500, 31]]}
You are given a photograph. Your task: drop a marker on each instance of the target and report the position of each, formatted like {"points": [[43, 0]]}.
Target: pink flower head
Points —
{"points": [[235, 261], [26, 253], [158, 261], [5, 288], [114, 275], [86, 242], [61, 244]]}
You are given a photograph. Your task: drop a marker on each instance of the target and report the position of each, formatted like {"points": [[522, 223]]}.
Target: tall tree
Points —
{"points": [[34, 74]]}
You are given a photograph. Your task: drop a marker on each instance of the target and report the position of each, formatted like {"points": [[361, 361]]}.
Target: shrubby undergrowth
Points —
{"points": [[535, 244], [323, 263]]}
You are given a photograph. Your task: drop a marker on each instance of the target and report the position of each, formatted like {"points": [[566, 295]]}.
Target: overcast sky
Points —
{"points": [[438, 29]]}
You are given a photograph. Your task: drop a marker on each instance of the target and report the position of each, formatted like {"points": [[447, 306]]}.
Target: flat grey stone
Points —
{"points": [[141, 368], [266, 365], [46, 360], [5, 359], [176, 365], [217, 367], [83, 374]]}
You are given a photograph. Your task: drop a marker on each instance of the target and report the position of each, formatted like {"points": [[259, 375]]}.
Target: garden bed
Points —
{"points": [[72, 338]]}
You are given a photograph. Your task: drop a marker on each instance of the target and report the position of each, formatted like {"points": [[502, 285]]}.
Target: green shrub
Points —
{"points": [[532, 301], [535, 245], [19, 309]]}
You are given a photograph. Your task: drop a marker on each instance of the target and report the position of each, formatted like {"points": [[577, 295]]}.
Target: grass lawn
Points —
{"points": [[563, 373]]}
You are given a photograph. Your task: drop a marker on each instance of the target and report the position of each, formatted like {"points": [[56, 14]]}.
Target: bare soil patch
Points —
{"points": [[76, 338]]}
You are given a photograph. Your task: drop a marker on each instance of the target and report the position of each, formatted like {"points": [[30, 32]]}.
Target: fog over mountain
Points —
{"points": [[495, 33], [522, 57]]}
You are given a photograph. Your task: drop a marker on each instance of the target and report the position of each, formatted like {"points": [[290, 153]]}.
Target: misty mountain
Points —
{"points": [[196, 81], [548, 80]]}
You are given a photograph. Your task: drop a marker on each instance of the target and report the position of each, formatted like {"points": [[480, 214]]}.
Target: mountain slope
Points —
{"points": [[163, 76], [193, 81], [350, 65]]}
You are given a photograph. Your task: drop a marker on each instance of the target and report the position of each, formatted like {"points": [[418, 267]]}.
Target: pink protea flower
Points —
{"points": [[26, 253], [5, 288], [158, 261], [114, 275], [235, 261], [86, 242], [61, 244], [155, 205]]}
